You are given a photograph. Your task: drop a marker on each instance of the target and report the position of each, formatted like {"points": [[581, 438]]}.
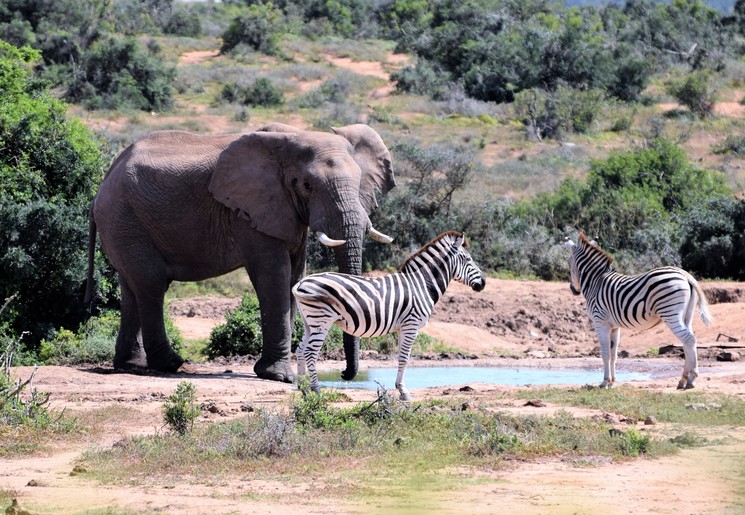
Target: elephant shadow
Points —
{"points": [[187, 371]]}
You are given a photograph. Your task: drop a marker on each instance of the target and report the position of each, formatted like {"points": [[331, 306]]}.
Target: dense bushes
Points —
{"points": [[118, 73], [49, 169], [648, 207]]}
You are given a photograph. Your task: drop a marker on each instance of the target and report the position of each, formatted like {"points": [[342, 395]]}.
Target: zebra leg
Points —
{"points": [[406, 337], [690, 370], [615, 336], [311, 350], [300, 352], [604, 333]]}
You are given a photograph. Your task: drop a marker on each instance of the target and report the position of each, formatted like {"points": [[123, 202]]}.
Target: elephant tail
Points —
{"points": [[88, 299]]}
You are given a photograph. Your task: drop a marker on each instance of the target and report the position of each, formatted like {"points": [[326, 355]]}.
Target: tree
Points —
{"points": [[49, 169]]}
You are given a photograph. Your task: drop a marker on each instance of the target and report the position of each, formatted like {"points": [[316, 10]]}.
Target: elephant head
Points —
{"points": [[285, 182]]}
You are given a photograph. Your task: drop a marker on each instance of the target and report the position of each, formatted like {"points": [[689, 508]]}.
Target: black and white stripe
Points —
{"points": [[667, 294], [372, 306]]}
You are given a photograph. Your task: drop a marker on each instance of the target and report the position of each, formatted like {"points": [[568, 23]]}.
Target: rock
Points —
{"points": [[536, 403], [650, 421], [728, 356], [465, 389]]}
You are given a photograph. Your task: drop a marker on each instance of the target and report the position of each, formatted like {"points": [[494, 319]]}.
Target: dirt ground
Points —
{"points": [[510, 323]]}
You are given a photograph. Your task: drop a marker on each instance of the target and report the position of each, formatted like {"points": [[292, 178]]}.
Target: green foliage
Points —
{"points": [[633, 443], [555, 114], [94, 341], [713, 238], [119, 73], [732, 144], [261, 93], [695, 93], [180, 409], [259, 28], [628, 192], [49, 170], [240, 335], [15, 410]]}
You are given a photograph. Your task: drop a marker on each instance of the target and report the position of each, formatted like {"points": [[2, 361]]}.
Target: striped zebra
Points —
{"points": [[666, 294], [372, 306]]}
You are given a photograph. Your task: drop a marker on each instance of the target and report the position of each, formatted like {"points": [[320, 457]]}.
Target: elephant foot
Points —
{"points": [[274, 370], [165, 362]]}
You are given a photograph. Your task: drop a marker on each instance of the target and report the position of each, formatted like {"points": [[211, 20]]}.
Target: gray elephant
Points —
{"points": [[177, 206]]}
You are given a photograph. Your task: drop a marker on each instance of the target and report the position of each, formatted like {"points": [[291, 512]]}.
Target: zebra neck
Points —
{"points": [[434, 278]]}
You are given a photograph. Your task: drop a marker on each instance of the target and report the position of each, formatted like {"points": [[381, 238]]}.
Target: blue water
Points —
{"points": [[424, 377]]}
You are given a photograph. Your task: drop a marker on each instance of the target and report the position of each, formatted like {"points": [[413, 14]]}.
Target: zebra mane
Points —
{"points": [[587, 246], [426, 247]]}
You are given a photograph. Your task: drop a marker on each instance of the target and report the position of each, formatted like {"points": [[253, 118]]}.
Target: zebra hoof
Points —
{"points": [[682, 385], [689, 386]]}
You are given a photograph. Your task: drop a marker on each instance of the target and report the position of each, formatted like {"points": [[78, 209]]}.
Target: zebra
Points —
{"points": [[614, 300], [372, 306]]}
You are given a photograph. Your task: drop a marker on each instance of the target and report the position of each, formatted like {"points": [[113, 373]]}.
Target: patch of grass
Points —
{"points": [[372, 446], [690, 407]]}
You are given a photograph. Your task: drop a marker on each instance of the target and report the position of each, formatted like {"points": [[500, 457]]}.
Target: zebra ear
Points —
{"points": [[459, 240], [568, 244]]}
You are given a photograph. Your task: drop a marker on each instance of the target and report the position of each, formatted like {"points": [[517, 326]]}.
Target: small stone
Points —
{"points": [[536, 403], [650, 421], [465, 389], [728, 356]]}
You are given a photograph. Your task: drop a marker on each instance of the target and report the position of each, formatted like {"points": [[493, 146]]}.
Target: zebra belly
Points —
{"points": [[362, 331]]}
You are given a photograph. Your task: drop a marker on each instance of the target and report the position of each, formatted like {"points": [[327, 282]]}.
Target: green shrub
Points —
{"points": [[733, 144], [119, 73], [553, 114], [180, 409], [259, 27], [240, 335], [713, 239], [261, 93], [695, 93]]}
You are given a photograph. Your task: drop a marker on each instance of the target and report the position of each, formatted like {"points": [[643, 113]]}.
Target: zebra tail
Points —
{"points": [[703, 305]]}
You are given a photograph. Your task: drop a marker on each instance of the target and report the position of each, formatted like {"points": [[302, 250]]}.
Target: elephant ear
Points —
{"points": [[247, 178], [374, 161]]}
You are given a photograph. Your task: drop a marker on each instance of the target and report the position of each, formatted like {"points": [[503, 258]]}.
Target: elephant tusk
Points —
{"points": [[379, 236], [328, 241]]}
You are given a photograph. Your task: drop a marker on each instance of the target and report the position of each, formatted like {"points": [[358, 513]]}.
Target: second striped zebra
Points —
{"points": [[372, 306], [614, 300]]}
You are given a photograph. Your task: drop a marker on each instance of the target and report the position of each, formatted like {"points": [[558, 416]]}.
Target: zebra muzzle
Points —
{"points": [[574, 290]]}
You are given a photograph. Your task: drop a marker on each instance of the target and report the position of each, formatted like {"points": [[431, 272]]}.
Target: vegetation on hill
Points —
{"points": [[518, 122]]}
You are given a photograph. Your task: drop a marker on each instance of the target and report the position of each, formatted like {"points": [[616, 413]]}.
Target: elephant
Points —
{"points": [[177, 206]]}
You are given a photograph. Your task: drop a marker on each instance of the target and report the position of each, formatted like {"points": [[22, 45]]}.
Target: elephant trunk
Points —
{"points": [[349, 261]]}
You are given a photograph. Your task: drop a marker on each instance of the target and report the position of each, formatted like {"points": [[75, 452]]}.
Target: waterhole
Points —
{"points": [[425, 377]]}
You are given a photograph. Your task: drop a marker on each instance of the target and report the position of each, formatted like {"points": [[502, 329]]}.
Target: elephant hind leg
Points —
{"points": [[128, 352]]}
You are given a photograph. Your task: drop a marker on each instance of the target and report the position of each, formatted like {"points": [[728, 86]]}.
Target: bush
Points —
{"points": [[260, 93], [259, 27], [118, 73], [713, 239], [695, 93], [180, 410], [553, 114], [240, 335]]}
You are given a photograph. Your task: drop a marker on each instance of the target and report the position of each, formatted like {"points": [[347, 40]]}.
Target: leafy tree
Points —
{"points": [[630, 191], [713, 234], [259, 28], [695, 93], [49, 169], [120, 73]]}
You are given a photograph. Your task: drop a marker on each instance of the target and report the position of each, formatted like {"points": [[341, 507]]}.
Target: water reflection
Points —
{"points": [[424, 377]]}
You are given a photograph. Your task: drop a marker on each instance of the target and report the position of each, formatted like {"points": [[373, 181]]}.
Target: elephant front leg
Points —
{"points": [[270, 273]]}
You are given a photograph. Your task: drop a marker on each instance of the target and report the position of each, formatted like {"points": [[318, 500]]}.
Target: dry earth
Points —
{"points": [[511, 323]]}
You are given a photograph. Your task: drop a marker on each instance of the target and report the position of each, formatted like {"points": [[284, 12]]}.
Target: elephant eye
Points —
{"points": [[307, 185]]}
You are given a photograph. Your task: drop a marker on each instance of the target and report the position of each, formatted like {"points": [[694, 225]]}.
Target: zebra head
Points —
{"points": [[585, 259], [573, 249], [464, 269]]}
